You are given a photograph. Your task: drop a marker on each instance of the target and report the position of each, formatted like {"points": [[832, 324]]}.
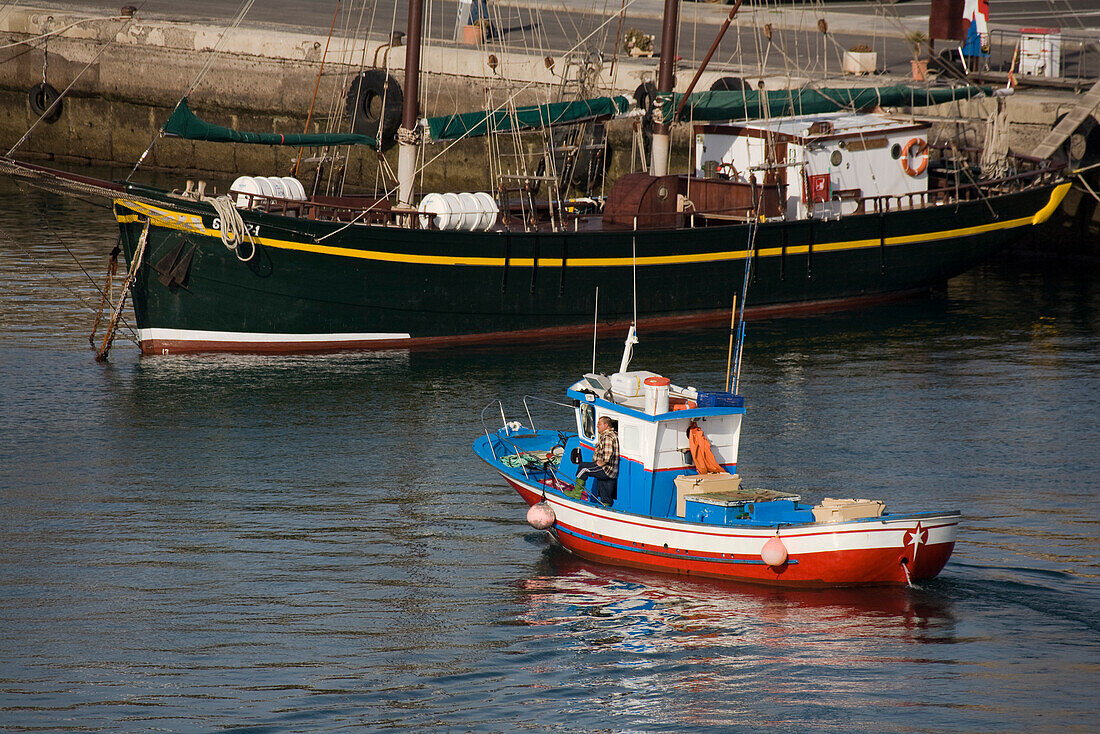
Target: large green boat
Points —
{"points": [[821, 209]]}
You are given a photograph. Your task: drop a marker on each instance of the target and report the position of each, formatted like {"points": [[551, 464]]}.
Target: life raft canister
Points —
{"points": [[916, 150]]}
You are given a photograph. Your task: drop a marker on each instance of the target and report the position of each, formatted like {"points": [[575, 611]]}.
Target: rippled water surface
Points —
{"points": [[308, 544]]}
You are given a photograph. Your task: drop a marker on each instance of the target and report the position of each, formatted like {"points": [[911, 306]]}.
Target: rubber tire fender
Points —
{"points": [[644, 96], [1082, 147], [730, 84], [41, 96], [373, 105]]}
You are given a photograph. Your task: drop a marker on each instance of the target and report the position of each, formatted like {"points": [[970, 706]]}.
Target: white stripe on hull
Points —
{"points": [[885, 532], [244, 337]]}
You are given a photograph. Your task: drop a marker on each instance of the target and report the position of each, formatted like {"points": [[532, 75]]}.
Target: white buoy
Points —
{"points": [[774, 552], [540, 515]]}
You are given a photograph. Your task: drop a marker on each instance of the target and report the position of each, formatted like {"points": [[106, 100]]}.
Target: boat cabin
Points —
{"points": [[652, 418], [827, 165]]}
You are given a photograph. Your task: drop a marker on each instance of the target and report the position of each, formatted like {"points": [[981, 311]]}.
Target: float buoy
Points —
{"points": [[774, 553], [541, 516], [373, 105], [42, 97], [918, 149]]}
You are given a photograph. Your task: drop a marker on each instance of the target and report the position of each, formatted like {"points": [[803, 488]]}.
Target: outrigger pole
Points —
{"points": [[408, 133]]}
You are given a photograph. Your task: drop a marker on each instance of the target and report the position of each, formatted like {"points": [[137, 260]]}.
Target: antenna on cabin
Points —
{"points": [[595, 320], [749, 252], [729, 354]]}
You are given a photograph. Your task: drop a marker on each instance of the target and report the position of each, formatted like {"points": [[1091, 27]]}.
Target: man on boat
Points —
{"points": [[605, 465]]}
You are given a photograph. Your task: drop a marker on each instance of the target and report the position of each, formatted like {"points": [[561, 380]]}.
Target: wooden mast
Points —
{"points": [[665, 82], [408, 134]]}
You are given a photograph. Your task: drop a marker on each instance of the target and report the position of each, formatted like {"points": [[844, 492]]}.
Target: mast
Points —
{"points": [[408, 133], [661, 143]]}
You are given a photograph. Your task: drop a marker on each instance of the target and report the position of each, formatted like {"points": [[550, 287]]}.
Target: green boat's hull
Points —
{"points": [[315, 286]]}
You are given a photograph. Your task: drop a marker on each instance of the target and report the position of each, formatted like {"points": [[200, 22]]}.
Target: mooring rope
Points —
{"points": [[232, 230]]}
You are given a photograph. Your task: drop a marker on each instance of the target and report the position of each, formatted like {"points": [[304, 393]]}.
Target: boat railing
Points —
{"points": [[490, 436], [503, 423], [526, 407], [958, 192], [365, 209]]}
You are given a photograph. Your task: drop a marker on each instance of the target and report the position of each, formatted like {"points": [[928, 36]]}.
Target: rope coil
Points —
{"points": [[233, 230]]}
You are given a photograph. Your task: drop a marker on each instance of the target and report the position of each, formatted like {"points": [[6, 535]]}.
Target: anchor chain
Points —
{"points": [[107, 294], [116, 311]]}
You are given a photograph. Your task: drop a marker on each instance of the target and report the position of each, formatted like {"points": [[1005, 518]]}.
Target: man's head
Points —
{"points": [[603, 424]]}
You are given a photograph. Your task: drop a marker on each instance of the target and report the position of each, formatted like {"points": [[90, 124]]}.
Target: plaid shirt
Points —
{"points": [[607, 451]]}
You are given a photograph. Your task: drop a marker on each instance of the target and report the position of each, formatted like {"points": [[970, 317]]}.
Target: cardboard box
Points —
{"points": [[839, 510], [703, 484]]}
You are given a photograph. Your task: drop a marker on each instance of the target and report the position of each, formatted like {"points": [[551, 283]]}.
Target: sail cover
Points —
{"points": [[184, 124], [730, 105], [474, 124]]}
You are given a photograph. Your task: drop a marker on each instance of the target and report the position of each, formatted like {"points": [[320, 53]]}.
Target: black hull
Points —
{"points": [[316, 286]]}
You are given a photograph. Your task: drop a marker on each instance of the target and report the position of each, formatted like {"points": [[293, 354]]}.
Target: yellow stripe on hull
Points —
{"points": [[170, 219]]}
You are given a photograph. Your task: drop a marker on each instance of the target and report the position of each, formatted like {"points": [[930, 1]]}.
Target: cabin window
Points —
{"points": [[895, 151], [588, 421]]}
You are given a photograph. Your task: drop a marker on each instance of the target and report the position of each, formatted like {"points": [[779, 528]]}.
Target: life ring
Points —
{"points": [[921, 153], [373, 105], [42, 97]]}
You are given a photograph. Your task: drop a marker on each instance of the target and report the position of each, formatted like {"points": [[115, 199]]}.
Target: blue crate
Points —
{"points": [[720, 400], [780, 511], [700, 508]]}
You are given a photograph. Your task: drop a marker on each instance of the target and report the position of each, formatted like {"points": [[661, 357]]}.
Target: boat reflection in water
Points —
{"points": [[644, 612]]}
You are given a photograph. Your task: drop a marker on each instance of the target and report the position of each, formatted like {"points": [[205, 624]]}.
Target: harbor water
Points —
{"points": [[308, 544]]}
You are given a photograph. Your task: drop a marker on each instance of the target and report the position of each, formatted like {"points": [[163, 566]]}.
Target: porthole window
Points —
{"points": [[895, 151], [835, 158]]}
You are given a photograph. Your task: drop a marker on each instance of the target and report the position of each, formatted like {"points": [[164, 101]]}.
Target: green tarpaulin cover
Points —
{"points": [[729, 105], [473, 124], [184, 124]]}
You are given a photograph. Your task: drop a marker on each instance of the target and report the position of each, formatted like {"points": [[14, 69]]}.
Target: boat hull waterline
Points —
{"points": [[323, 286], [884, 551]]}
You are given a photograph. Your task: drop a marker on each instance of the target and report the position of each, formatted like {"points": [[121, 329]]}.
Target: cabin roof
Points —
{"points": [[836, 124], [585, 396]]}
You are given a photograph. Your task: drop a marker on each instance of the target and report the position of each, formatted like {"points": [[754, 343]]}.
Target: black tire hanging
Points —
{"points": [[730, 84], [373, 106], [645, 95], [1082, 147], [41, 97]]}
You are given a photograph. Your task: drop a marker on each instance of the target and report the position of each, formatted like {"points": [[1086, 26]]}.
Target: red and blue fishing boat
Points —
{"points": [[679, 504]]}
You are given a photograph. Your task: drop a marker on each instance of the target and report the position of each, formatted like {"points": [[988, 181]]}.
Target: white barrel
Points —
{"points": [[656, 395], [468, 212], [278, 190], [265, 186], [471, 212], [294, 188], [489, 211], [433, 210], [243, 186], [453, 219]]}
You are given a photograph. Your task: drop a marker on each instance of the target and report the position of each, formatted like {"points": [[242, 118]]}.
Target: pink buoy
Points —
{"points": [[774, 552], [540, 516]]}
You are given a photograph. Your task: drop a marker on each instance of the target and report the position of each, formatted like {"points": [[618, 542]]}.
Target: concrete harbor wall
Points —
{"points": [[127, 75]]}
